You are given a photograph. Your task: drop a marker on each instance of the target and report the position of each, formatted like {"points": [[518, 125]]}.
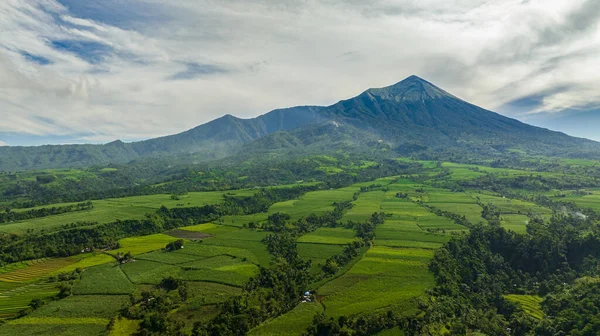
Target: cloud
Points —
{"points": [[99, 70], [2, 143], [196, 70]]}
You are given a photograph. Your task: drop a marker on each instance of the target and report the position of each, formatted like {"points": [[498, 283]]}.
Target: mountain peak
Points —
{"points": [[413, 88]]}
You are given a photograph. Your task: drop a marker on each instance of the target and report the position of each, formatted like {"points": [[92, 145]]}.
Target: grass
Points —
{"points": [[384, 278], [103, 279], [294, 322], [530, 303]]}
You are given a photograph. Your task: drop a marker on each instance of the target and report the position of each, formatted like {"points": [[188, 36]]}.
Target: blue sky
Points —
{"points": [[98, 70]]}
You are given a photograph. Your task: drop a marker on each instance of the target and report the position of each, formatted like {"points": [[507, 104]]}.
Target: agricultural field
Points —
{"points": [[332, 236], [15, 297], [106, 279], [384, 278], [292, 323], [220, 257], [586, 198], [36, 269], [366, 204], [530, 303], [109, 210], [317, 202], [143, 244]]}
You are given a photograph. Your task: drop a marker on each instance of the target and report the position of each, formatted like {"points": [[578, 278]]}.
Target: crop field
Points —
{"points": [[233, 275], [109, 210], [318, 253], [143, 244], [384, 278], [83, 306], [210, 293], [292, 323], [103, 279], [15, 299], [36, 269], [513, 206], [60, 327], [255, 251], [530, 303], [366, 204], [239, 221], [124, 327], [75, 315], [588, 198], [516, 223], [335, 236], [199, 261], [317, 202], [148, 272], [85, 261]]}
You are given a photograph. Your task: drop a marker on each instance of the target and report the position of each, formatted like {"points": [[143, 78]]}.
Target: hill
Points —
{"points": [[212, 140]]}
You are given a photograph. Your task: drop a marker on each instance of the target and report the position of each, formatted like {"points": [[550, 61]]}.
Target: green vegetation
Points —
{"points": [[531, 304], [385, 256], [104, 279]]}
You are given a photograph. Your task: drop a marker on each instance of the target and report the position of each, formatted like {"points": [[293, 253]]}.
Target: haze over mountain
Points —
{"points": [[410, 117]]}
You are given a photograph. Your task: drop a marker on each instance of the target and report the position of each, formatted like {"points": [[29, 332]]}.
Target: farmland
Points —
{"points": [[219, 258]]}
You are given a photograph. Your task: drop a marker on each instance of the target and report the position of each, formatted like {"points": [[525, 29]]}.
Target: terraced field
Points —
{"points": [[36, 269], [530, 303]]}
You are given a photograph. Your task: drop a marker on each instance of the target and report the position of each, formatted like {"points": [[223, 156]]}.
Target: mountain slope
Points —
{"points": [[415, 115], [212, 140], [412, 117]]}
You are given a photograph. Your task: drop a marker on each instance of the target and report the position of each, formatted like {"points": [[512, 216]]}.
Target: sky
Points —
{"points": [[94, 71]]}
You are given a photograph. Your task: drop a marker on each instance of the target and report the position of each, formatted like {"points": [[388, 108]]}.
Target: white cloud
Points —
{"points": [[251, 57], [2, 143]]}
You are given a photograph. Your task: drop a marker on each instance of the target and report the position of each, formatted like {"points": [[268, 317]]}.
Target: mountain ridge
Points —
{"points": [[413, 116]]}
